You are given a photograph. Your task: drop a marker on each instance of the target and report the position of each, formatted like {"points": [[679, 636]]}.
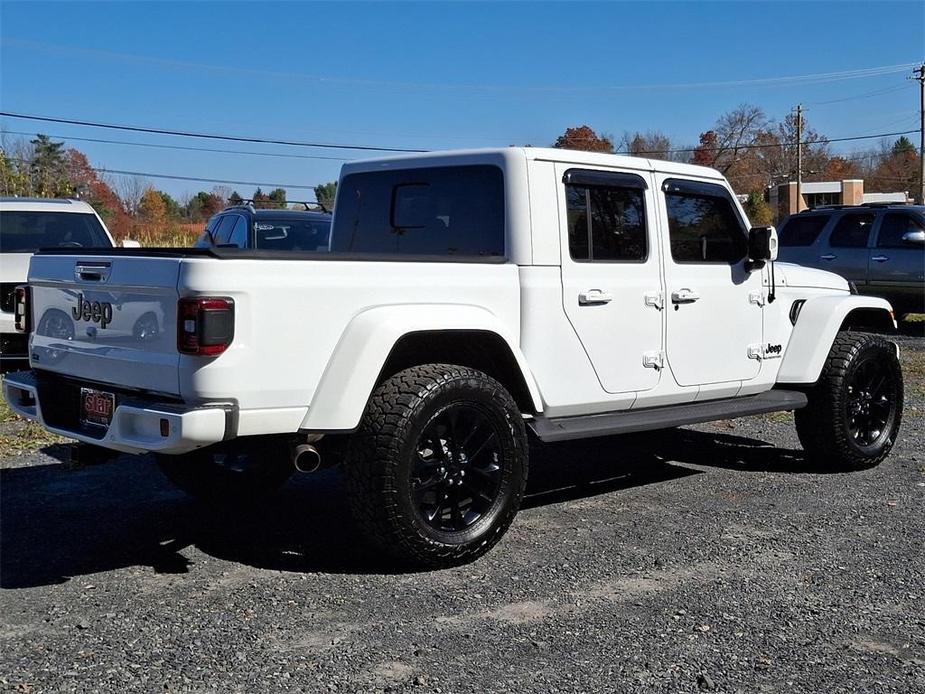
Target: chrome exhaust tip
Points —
{"points": [[306, 458]]}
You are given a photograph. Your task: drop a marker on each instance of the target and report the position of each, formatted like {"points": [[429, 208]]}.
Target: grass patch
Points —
{"points": [[19, 436]]}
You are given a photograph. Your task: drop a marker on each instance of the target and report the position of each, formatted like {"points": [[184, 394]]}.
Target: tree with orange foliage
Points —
{"points": [[98, 194], [584, 138]]}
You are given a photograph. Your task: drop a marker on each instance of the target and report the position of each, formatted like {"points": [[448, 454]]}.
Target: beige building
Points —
{"points": [[783, 198]]}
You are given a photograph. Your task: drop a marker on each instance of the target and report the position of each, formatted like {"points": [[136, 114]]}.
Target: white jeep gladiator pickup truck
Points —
{"points": [[470, 300]]}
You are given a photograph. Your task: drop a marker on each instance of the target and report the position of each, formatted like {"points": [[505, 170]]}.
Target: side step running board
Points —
{"points": [[588, 426]]}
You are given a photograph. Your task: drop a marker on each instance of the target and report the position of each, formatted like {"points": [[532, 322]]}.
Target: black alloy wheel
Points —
{"points": [[871, 402], [457, 472]]}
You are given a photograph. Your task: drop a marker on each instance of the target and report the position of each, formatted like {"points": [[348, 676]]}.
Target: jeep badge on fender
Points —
{"points": [[95, 311]]}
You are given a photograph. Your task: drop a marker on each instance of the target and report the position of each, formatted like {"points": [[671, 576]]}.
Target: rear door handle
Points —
{"points": [[880, 258], [594, 296], [828, 256], [684, 296]]}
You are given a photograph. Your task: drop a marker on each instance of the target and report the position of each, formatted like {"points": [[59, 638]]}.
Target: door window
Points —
{"points": [[606, 223], [852, 231], [703, 226], [892, 229]]}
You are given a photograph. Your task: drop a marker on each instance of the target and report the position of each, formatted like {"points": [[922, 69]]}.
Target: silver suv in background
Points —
{"points": [[880, 248]]}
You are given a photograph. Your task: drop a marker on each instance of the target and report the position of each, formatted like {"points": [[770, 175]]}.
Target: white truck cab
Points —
{"points": [[470, 300]]}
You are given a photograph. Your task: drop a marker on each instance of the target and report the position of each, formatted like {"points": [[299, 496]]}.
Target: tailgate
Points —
{"points": [[107, 318]]}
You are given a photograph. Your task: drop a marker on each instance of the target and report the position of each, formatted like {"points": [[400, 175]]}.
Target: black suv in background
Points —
{"points": [[879, 247], [244, 226]]}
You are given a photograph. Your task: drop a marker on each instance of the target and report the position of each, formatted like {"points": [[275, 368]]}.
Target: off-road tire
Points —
{"points": [[202, 475], [383, 453], [824, 425]]}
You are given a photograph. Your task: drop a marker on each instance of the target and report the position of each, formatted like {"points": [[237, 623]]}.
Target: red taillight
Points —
{"points": [[205, 325], [22, 312]]}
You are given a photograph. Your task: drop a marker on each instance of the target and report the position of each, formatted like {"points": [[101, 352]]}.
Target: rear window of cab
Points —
{"points": [[438, 211]]}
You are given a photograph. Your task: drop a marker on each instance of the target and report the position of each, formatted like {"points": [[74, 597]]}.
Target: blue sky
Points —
{"points": [[437, 75]]}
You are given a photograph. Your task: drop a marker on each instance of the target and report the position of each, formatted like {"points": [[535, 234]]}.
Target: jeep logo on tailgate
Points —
{"points": [[93, 311]]}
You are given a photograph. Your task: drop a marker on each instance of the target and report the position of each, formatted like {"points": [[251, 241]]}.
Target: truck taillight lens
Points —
{"points": [[22, 312], [205, 325]]}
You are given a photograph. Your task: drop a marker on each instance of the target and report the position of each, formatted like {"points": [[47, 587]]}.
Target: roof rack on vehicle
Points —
{"points": [[248, 202]]}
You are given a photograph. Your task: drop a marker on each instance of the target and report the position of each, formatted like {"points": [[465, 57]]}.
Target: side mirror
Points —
{"points": [[762, 244], [914, 238], [130, 243]]}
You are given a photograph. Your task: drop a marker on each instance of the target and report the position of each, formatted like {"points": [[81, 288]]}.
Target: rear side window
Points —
{"points": [[26, 232], [852, 231], [239, 232], [703, 226], [892, 229], [606, 223], [289, 234], [440, 211], [221, 232], [802, 231]]}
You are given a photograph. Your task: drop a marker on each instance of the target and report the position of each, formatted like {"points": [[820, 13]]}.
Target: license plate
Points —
{"points": [[96, 406]]}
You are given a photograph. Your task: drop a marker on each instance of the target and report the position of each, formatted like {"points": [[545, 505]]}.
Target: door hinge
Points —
{"points": [[756, 297], [655, 299], [653, 360], [756, 351]]}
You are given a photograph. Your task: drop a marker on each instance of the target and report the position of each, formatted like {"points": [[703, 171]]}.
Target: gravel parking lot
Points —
{"points": [[712, 558]]}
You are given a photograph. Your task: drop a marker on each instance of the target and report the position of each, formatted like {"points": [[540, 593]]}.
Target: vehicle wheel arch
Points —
{"points": [[819, 321], [383, 340]]}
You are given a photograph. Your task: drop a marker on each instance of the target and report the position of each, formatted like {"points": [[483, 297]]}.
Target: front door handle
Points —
{"points": [[828, 256], [880, 258], [684, 296], [593, 297]]}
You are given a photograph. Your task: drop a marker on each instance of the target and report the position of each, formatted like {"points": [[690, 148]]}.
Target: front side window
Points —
{"points": [[26, 232], [606, 223], [440, 211], [852, 231], [703, 226], [802, 231], [892, 229]]}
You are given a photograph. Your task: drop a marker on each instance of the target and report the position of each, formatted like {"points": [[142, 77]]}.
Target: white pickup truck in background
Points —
{"points": [[470, 300], [27, 224]]}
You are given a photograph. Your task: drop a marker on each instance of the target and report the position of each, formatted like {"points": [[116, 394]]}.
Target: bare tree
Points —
{"points": [[130, 190], [651, 144], [223, 192]]}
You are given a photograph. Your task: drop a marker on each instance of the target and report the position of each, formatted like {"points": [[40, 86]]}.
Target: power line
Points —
{"points": [[865, 95], [235, 138], [815, 78], [821, 141], [204, 136], [284, 155], [173, 177], [145, 174]]}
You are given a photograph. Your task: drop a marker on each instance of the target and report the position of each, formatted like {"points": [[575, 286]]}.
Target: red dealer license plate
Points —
{"points": [[96, 406]]}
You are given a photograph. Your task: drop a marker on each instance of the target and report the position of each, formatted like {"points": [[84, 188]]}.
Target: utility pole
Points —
{"points": [[799, 156], [920, 76]]}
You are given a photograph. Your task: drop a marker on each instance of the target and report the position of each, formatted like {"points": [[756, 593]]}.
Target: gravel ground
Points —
{"points": [[712, 558]]}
